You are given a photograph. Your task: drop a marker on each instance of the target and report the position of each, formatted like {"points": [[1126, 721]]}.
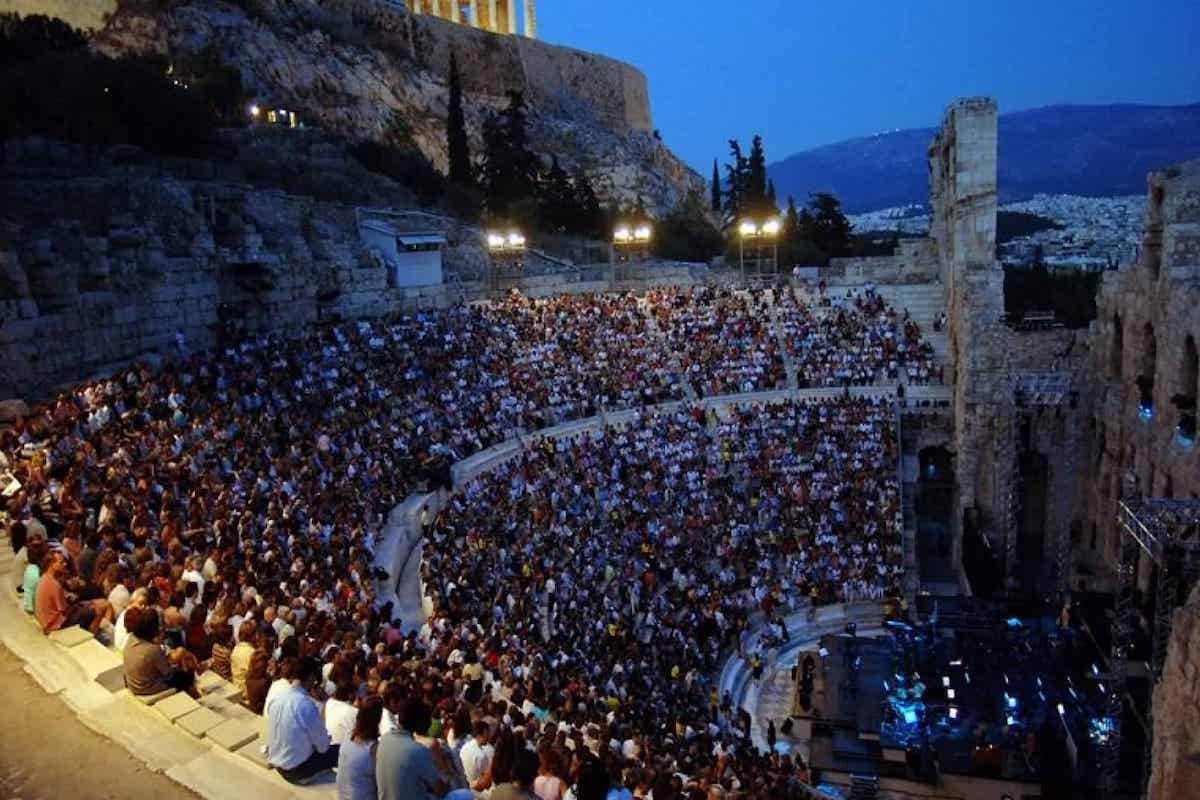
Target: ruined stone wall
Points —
{"points": [[614, 92], [989, 358], [83, 14], [101, 268], [914, 261], [1146, 316], [1175, 769]]}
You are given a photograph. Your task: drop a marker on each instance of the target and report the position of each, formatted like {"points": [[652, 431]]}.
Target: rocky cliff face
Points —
{"points": [[354, 66]]}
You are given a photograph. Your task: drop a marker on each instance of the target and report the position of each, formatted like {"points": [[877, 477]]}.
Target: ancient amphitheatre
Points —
{"points": [[659, 480]]}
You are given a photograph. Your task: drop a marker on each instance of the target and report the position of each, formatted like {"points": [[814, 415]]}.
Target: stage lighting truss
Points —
{"points": [[1042, 388], [1168, 532]]}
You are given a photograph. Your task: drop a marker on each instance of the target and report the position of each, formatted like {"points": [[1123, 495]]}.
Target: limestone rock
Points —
{"points": [[355, 66]]}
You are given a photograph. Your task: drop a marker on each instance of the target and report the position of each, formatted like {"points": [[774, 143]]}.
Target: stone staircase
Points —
{"points": [[924, 303]]}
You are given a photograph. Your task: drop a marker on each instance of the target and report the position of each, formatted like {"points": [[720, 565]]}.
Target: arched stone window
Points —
{"points": [[1146, 370], [1189, 374], [1185, 401]]}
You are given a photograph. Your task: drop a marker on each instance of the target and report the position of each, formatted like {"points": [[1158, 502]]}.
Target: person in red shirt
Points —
{"points": [[52, 607]]}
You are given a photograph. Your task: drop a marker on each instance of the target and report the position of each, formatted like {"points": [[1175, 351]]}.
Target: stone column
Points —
{"points": [[512, 16], [474, 20], [455, 13], [435, 7], [416, 6], [530, 20], [492, 22]]}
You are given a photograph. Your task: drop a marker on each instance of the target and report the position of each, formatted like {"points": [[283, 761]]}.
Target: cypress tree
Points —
{"points": [[755, 199], [457, 146], [716, 189]]}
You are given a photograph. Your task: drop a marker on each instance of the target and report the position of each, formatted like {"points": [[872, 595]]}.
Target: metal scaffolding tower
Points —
{"points": [[1168, 533]]}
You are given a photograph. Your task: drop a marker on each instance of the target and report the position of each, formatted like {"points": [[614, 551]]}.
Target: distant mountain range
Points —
{"points": [[1084, 150]]}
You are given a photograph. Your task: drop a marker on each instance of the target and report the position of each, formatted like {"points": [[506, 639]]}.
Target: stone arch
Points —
{"points": [[1117, 352], [933, 503], [1147, 366], [1149, 350], [1189, 373]]}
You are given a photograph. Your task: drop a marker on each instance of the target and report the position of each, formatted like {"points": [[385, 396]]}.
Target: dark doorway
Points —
{"points": [[1034, 572], [934, 504]]}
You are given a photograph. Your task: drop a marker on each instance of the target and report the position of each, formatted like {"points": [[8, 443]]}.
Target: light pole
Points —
{"points": [[505, 250], [756, 233], [631, 243]]}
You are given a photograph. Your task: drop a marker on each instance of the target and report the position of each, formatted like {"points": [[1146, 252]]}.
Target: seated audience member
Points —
{"points": [[222, 645], [298, 745], [340, 711], [356, 756], [524, 773], [405, 769], [35, 553], [258, 681], [149, 669], [239, 658], [139, 599], [54, 610]]}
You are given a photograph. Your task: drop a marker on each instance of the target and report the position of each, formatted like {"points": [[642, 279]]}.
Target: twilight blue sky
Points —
{"points": [[809, 72]]}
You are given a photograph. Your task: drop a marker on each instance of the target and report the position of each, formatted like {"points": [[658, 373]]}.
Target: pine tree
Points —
{"points": [[716, 189], [510, 169], [591, 216], [827, 225], [755, 200], [791, 221], [556, 199], [457, 146], [735, 179], [771, 197]]}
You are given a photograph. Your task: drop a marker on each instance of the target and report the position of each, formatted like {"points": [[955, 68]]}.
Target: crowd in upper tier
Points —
{"points": [[222, 512]]}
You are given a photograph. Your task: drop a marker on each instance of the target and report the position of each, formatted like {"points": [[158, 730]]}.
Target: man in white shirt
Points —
{"points": [[477, 755], [298, 746]]}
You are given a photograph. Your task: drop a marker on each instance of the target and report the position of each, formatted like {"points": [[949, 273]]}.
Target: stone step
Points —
{"points": [[72, 636], [200, 721]]}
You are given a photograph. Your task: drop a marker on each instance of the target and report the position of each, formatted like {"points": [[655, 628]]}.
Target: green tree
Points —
{"points": [[557, 207], [29, 37], [771, 199], [686, 234], [591, 217], [791, 221], [754, 202], [824, 225], [457, 146], [736, 178], [510, 170], [715, 189]]}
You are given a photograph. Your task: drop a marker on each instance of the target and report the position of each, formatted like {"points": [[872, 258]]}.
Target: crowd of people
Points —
{"points": [[724, 339], [221, 513], [852, 339], [599, 578]]}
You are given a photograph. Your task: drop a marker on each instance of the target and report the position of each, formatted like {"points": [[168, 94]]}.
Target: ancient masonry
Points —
{"points": [[497, 16], [1094, 416]]}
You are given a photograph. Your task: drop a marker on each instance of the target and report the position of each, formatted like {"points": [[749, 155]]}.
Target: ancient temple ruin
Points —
{"points": [[497, 16]]}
